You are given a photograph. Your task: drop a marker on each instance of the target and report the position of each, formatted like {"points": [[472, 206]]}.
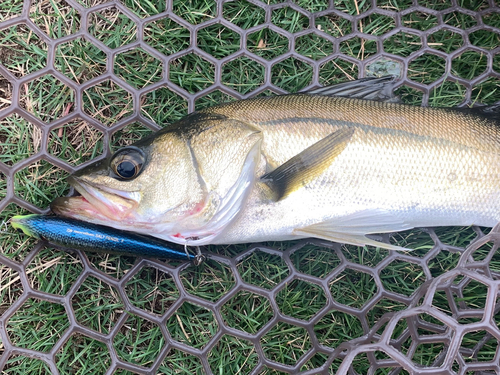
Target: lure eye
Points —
{"points": [[127, 163]]}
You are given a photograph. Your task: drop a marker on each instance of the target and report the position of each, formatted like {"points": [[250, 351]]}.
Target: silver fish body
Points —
{"points": [[303, 165]]}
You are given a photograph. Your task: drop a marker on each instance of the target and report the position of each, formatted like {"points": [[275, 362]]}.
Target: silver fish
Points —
{"points": [[336, 163]]}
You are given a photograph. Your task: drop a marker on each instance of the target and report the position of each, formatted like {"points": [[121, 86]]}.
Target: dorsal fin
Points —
{"points": [[370, 88], [491, 112]]}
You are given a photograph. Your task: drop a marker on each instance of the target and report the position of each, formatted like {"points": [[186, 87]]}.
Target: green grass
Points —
{"points": [[47, 98], [285, 343], [97, 305], [138, 68], [76, 142], [107, 102], [192, 325], [315, 261], [232, 355], [55, 20], [166, 36], [263, 270], [19, 139], [112, 27], [139, 341], [82, 355], [22, 52], [300, 299], [152, 290], [353, 288], [179, 362], [53, 271], [247, 312], [250, 77], [39, 182], [80, 60], [37, 325], [210, 281], [12, 9], [18, 364]]}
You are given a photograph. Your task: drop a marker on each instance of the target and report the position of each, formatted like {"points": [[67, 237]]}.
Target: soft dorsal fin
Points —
{"points": [[307, 165], [491, 112], [379, 89]]}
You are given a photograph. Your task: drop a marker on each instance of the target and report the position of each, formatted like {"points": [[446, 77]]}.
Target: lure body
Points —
{"points": [[92, 237]]}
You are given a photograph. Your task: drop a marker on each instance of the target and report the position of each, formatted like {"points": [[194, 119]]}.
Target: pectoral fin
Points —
{"points": [[352, 229], [307, 165]]}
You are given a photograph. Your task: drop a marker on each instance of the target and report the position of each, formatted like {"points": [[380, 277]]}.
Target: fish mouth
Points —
{"points": [[95, 202]]}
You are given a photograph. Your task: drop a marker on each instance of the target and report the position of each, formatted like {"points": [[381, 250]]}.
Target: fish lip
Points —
{"points": [[88, 187], [97, 200], [76, 207]]}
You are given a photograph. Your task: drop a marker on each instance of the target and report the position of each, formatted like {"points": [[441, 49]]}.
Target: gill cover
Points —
{"points": [[226, 153]]}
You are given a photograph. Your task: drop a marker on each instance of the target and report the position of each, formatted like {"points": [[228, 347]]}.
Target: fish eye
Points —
{"points": [[127, 163]]}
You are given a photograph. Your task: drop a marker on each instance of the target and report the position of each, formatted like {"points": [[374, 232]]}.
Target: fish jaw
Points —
{"points": [[96, 203], [77, 208]]}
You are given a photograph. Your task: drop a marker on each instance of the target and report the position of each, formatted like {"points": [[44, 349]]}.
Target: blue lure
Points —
{"points": [[96, 238]]}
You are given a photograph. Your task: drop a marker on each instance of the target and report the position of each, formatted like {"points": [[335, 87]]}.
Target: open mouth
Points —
{"points": [[76, 207], [93, 201]]}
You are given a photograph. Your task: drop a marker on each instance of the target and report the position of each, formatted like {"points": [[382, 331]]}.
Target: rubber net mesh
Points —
{"points": [[79, 75]]}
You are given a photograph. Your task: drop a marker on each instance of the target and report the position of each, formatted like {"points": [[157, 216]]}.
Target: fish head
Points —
{"points": [[181, 184]]}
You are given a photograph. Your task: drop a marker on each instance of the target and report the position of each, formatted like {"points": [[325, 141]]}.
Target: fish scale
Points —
{"points": [[444, 123], [303, 165]]}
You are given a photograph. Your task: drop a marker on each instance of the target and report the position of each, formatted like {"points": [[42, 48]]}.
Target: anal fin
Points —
{"points": [[352, 229]]}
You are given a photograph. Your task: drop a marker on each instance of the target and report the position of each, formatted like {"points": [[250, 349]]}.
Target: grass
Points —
{"points": [[167, 36], [301, 299], [138, 68], [263, 270], [192, 325], [53, 271], [247, 312], [47, 98], [55, 19], [285, 343], [80, 60], [22, 51], [76, 142], [20, 139], [97, 305], [152, 290], [139, 341], [112, 27], [232, 355], [329, 292], [37, 325], [82, 354], [107, 102]]}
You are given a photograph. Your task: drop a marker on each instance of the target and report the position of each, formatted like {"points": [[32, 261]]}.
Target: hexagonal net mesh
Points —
{"points": [[79, 78]]}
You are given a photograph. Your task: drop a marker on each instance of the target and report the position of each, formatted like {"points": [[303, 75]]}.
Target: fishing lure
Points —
{"points": [[96, 238]]}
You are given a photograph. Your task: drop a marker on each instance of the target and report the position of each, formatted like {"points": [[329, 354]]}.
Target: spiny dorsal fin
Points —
{"points": [[370, 88], [307, 165]]}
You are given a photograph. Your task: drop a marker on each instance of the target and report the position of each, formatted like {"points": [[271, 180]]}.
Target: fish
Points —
{"points": [[338, 163], [86, 236]]}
